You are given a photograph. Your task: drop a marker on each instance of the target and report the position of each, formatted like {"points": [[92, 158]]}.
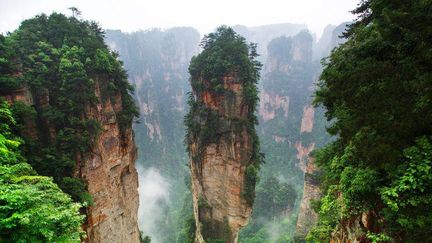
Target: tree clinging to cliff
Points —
{"points": [[221, 139]]}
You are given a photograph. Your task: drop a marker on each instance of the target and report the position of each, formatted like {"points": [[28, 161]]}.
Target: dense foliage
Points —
{"points": [[32, 207], [377, 91], [64, 63]]}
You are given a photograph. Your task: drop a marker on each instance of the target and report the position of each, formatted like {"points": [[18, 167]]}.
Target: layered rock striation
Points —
{"points": [[108, 168], [72, 102], [222, 143], [307, 217]]}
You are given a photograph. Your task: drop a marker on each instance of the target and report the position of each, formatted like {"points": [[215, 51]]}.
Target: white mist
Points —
{"points": [[153, 193]]}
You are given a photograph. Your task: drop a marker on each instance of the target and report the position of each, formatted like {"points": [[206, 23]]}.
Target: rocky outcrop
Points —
{"points": [[18, 95], [307, 119], [271, 103], [303, 153], [311, 191], [108, 169], [219, 168], [288, 116], [285, 108], [355, 229], [307, 217]]}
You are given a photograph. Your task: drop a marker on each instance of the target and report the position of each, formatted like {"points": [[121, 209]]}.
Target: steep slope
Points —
{"points": [[222, 144], [71, 100], [157, 63], [109, 170], [307, 217]]}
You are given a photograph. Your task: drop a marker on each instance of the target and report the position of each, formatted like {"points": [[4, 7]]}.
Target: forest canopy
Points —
{"points": [[62, 61], [377, 90], [64, 69], [32, 208]]}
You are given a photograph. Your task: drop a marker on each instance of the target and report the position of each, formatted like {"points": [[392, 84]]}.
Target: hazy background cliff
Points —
{"points": [[157, 63]]}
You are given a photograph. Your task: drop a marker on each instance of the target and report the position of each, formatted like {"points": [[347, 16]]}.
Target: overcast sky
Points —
{"points": [[205, 15]]}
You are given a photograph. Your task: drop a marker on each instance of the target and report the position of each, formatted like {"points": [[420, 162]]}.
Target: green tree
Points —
{"points": [[377, 90], [32, 208], [10, 77], [69, 70]]}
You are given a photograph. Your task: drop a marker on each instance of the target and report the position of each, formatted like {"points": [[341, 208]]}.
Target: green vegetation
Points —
{"points": [[144, 238], [9, 68], [224, 53], [63, 62], [32, 207], [251, 179], [377, 91], [273, 206]]}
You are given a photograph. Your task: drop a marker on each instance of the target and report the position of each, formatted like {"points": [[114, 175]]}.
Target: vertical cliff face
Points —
{"points": [[109, 170], [289, 76], [219, 168], [71, 99], [307, 217], [290, 128], [221, 139]]}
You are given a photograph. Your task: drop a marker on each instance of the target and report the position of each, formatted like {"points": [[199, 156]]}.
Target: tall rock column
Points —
{"points": [[73, 107], [221, 139]]}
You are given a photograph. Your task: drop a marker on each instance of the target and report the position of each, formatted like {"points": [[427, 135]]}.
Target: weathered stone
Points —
{"points": [[307, 216], [218, 172], [112, 180], [108, 169]]}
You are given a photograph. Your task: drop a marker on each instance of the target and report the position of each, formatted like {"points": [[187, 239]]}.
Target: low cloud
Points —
{"points": [[153, 194]]}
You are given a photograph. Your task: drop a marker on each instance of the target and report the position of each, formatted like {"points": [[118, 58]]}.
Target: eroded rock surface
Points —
{"points": [[218, 168], [112, 180], [108, 169]]}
